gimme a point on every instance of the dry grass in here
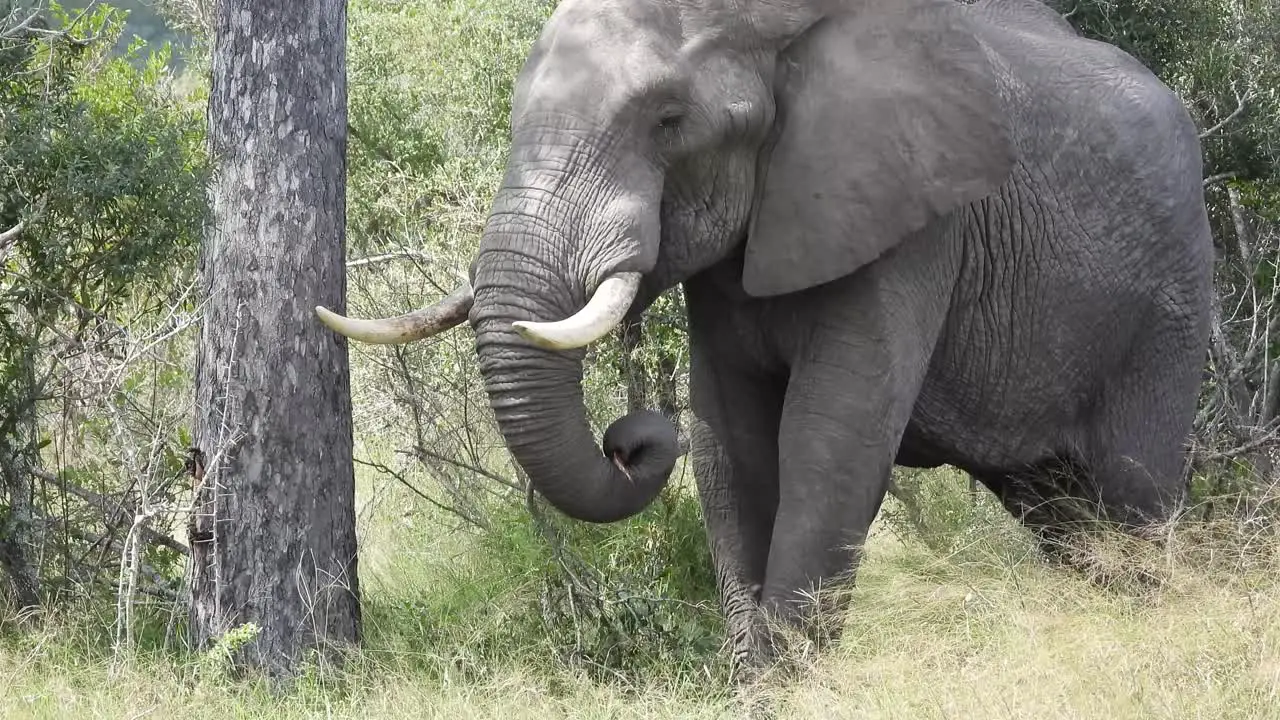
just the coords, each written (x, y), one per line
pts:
(981, 640)
(982, 631)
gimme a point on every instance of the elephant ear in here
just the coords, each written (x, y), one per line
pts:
(888, 117)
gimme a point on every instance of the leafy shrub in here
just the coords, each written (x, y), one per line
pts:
(631, 600)
(430, 86)
(102, 192)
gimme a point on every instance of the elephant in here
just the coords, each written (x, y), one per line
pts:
(909, 232)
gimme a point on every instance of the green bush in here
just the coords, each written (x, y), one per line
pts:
(429, 88)
(634, 599)
(102, 164)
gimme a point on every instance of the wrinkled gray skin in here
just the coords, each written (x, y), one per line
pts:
(909, 231)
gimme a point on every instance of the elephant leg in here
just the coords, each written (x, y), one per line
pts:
(1137, 460)
(1128, 471)
(843, 419)
(1061, 500)
(1046, 498)
(735, 460)
(853, 386)
(1137, 490)
(738, 540)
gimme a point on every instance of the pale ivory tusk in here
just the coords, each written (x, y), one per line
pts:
(603, 313)
(417, 325)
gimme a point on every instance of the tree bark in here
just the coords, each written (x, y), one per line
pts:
(639, 385)
(18, 461)
(630, 367)
(273, 537)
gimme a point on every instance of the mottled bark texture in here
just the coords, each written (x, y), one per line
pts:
(18, 458)
(273, 537)
(640, 386)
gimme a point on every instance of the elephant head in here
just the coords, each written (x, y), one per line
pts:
(652, 140)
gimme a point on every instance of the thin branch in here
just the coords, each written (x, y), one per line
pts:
(1271, 402)
(16, 30)
(8, 236)
(1219, 178)
(423, 452)
(476, 521)
(161, 589)
(63, 33)
(1251, 355)
(1267, 437)
(7, 240)
(376, 259)
(1241, 102)
(104, 504)
(93, 539)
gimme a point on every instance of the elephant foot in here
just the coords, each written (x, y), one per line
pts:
(773, 647)
(765, 661)
(754, 702)
(764, 649)
(755, 671)
(753, 643)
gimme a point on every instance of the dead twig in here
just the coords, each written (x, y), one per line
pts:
(105, 505)
(399, 477)
(1220, 177)
(18, 29)
(387, 257)
(1241, 102)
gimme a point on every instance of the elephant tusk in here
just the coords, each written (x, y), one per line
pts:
(603, 313)
(417, 325)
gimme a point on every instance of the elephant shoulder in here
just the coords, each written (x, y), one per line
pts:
(1030, 16)
(1089, 86)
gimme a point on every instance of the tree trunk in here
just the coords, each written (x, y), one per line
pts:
(631, 366)
(273, 533)
(18, 458)
(639, 385)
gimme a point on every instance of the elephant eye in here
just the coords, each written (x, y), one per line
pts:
(670, 122)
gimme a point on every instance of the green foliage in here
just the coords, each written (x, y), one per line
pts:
(634, 599)
(430, 86)
(102, 179)
(105, 168)
(1214, 53)
(143, 20)
(936, 508)
(217, 660)
(639, 596)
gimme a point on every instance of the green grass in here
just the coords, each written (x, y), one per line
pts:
(981, 629)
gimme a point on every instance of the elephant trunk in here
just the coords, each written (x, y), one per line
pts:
(534, 379)
(536, 397)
